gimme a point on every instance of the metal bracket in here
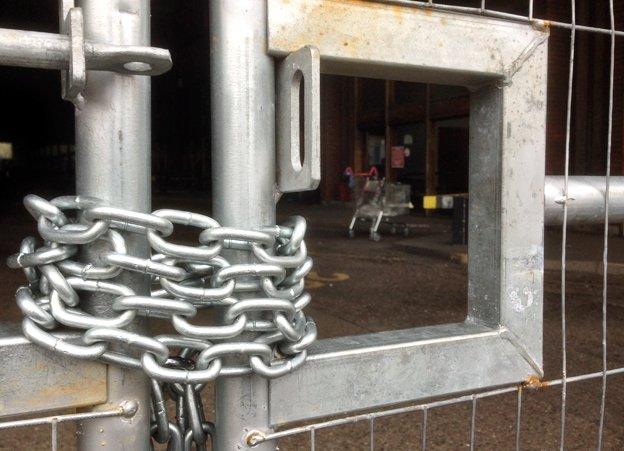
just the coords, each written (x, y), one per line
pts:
(73, 80)
(299, 71)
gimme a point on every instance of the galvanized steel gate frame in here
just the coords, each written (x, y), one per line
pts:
(503, 62)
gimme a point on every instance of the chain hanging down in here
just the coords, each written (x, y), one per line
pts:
(185, 279)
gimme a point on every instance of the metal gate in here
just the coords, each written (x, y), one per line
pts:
(268, 370)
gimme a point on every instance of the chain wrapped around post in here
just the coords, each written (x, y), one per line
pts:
(185, 279)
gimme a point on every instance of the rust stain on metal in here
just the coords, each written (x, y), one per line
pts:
(78, 390)
(534, 383)
(74, 395)
(541, 25)
(333, 12)
(59, 392)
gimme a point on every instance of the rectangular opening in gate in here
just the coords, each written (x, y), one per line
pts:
(387, 227)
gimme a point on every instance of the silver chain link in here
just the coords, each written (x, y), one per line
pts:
(185, 279)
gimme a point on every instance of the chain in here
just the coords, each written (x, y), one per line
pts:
(185, 279)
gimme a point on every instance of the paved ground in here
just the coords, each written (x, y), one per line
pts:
(360, 286)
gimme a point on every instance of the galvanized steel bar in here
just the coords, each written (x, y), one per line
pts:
(408, 365)
(586, 199)
(113, 163)
(243, 173)
(506, 209)
(35, 49)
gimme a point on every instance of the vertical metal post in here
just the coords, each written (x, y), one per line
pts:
(243, 180)
(113, 147)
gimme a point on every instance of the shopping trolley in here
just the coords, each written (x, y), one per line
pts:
(377, 201)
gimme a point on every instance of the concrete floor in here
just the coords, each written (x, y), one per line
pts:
(360, 286)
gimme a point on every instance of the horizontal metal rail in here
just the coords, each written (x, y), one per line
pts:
(461, 55)
(36, 380)
(52, 51)
(372, 370)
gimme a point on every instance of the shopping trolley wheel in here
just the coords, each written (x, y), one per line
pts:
(375, 236)
(351, 234)
(406, 231)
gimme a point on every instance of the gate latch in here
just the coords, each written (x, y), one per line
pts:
(73, 55)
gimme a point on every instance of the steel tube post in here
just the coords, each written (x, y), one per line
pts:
(243, 180)
(113, 163)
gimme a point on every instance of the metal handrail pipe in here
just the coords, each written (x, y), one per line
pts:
(585, 199)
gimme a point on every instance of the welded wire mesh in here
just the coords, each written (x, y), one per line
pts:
(55, 420)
